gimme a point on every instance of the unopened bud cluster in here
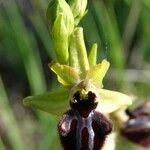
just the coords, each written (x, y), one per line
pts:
(63, 17)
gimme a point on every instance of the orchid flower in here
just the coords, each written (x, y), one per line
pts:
(76, 71)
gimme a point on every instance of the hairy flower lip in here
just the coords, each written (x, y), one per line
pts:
(138, 124)
(137, 128)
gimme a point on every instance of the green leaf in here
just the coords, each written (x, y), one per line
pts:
(96, 73)
(111, 101)
(66, 75)
(93, 55)
(52, 102)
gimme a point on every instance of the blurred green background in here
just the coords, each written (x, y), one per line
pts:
(120, 27)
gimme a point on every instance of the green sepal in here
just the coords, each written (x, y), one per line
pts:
(60, 38)
(66, 75)
(96, 73)
(110, 101)
(52, 102)
(93, 55)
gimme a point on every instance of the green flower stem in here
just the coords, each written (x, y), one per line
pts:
(77, 44)
(93, 55)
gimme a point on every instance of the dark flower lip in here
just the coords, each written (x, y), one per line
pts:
(141, 110)
(139, 124)
(78, 133)
(82, 127)
(137, 128)
(138, 137)
(83, 106)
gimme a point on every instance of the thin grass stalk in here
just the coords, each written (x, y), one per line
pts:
(11, 126)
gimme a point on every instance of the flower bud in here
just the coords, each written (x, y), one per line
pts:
(78, 8)
(60, 38)
(57, 7)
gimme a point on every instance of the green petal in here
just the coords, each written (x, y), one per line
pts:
(97, 73)
(78, 50)
(93, 55)
(66, 75)
(52, 102)
(111, 101)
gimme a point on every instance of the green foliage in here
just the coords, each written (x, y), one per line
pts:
(9, 121)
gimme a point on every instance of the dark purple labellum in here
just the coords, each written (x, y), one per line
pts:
(83, 128)
(137, 128)
(142, 110)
